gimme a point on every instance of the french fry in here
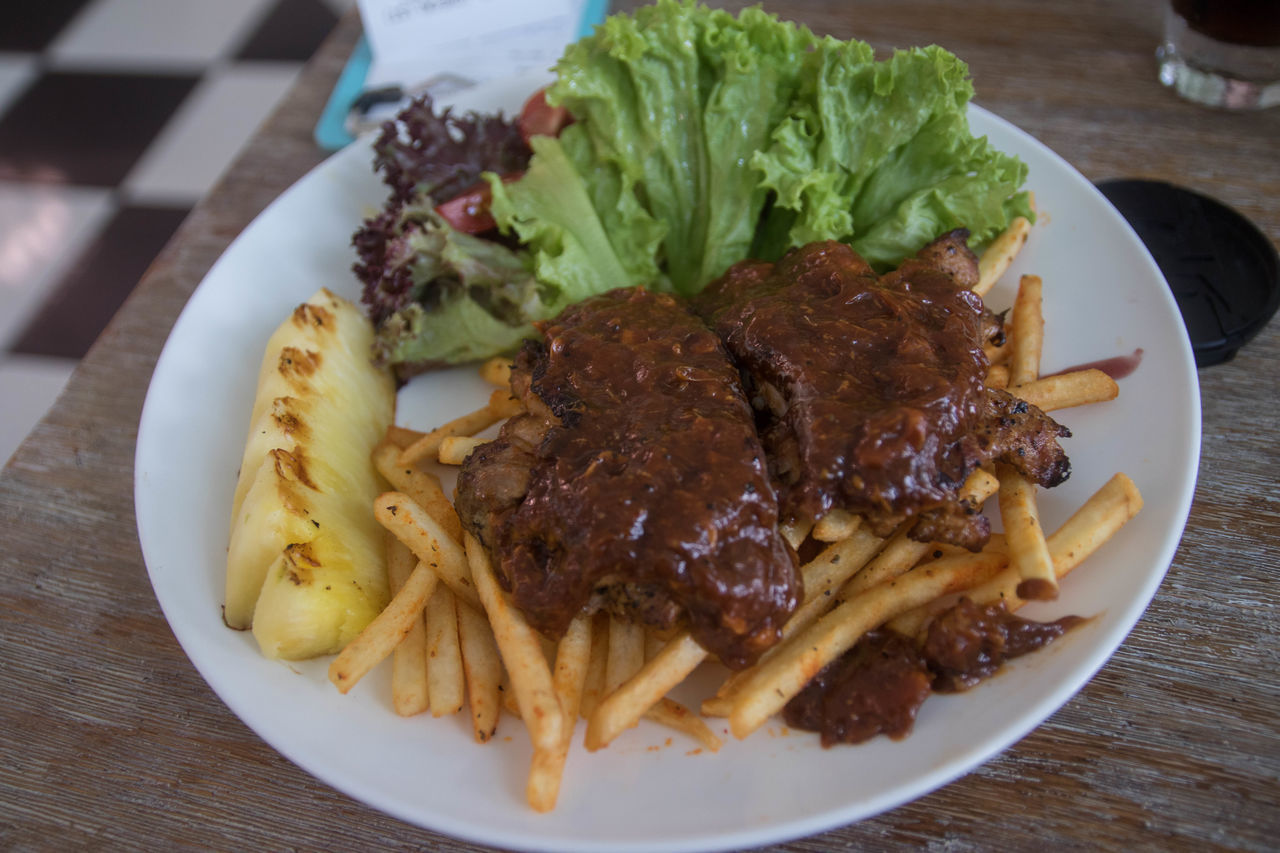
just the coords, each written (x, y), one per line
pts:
(428, 540)
(795, 532)
(409, 695)
(1096, 521)
(402, 437)
(998, 376)
(446, 682)
(1064, 390)
(626, 653)
(625, 705)
(898, 555)
(835, 525)
(901, 552)
(593, 690)
(1026, 338)
(455, 449)
(826, 573)
(404, 478)
(997, 257)
(670, 713)
(721, 704)
(841, 572)
(428, 446)
(1028, 551)
(978, 486)
(510, 703)
(785, 673)
(573, 656)
(913, 621)
(482, 666)
(503, 404)
(522, 655)
(654, 641)
(423, 486)
(380, 637)
(497, 371)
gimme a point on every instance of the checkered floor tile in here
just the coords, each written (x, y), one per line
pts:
(116, 117)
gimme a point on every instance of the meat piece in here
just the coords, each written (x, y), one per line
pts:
(878, 685)
(950, 253)
(636, 482)
(875, 688)
(970, 642)
(497, 474)
(870, 389)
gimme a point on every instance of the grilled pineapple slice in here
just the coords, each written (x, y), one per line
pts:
(305, 567)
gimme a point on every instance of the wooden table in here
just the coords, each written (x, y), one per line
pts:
(109, 738)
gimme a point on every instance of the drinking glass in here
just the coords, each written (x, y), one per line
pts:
(1223, 53)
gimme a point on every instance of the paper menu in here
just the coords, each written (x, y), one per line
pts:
(445, 45)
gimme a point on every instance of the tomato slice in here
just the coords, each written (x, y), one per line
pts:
(538, 118)
(469, 211)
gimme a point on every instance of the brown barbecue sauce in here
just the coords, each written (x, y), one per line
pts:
(878, 686)
(651, 484)
(870, 389)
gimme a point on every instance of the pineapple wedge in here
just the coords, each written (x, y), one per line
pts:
(305, 565)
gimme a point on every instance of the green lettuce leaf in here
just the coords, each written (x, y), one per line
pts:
(672, 103)
(879, 154)
(700, 139)
(585, 236)
(471, 298)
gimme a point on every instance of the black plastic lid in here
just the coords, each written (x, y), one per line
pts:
(1222, 270)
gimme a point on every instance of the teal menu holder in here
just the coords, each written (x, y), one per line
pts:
(331, 130)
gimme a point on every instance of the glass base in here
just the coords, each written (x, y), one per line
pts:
(1217, 73)
(1213, 88)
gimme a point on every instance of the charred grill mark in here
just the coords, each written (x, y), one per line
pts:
(314, 316)
(297, 365)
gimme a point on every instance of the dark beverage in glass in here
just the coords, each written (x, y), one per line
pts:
(1224, 53)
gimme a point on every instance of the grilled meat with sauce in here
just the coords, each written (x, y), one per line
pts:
(636, 482)
(870, 389)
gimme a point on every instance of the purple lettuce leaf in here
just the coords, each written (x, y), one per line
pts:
(439, 155)
(425, 157)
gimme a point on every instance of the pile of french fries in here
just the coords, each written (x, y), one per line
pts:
(455, 638)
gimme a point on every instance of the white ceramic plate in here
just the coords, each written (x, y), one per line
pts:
(647, 792)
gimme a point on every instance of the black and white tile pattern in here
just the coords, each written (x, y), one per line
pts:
(116, 116)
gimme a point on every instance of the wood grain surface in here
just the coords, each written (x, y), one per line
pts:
(109, 739)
